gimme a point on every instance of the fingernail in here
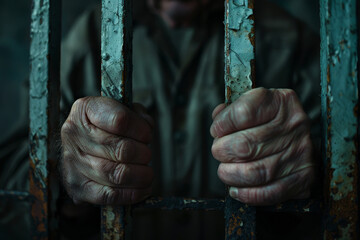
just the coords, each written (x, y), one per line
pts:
(233, 192)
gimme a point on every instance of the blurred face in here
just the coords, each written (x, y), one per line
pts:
(178, 13)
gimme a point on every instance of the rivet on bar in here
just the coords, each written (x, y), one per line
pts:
(44, 112)
(116, 76)
(339, 81)
(239, 78)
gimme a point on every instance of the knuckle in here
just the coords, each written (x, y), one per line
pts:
(120, 118)
(68, 128)
(119, 174)
(244, 147)
(122, 149)
(256, 174)
(107, 195)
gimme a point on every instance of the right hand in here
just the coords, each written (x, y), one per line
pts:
(106, 153)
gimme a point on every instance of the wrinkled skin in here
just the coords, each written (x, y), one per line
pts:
(263, 144)
(262, 141)
(105, 152)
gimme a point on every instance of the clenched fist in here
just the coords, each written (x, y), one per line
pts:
(105, 152)
(263, 143)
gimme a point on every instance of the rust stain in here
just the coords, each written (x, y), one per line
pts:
(234, 225)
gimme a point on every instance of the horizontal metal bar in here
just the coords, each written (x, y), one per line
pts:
(297, 206)
(15, 195)
(177, 203)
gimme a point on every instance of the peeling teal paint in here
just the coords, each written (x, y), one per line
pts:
(116, 45)
(240, 219)
(339, 80)
(239, 49)
(44, 113)
(116, 82)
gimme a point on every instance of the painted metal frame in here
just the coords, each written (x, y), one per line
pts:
(340, 91)
(340, 103)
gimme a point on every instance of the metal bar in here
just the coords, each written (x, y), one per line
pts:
(339, 80)
(176, 203)
(15, 195)
(240, 219)
(44, 111)
(298, 206)
(116, 76)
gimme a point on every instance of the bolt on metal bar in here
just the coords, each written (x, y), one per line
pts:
(44, 111)
(239, 78)
(116, 77)
(340, 90)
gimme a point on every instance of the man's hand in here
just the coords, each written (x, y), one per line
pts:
(106, 153)
(263, 143)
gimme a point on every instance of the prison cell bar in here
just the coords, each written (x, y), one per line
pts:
(116, 77)
(44, 112)
(240, 219)
(339, 80)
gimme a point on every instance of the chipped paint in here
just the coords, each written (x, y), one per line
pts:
(44, 112)
(239, 48)
(113, 222)
(116, 76)
(239, 77)
(240, 220)
(339, 79)
(116, 50)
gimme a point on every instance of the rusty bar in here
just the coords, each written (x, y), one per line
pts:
(15, 195)
(176, 203)
(116, 76)
(339, 81)
(298, 206)
(44, 112)
(240, 219)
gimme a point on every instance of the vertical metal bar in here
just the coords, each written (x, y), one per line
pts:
(116, 76)
(339, 80)
(240, 219)
(44, 112)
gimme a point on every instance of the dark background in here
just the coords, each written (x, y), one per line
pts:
(14, 50)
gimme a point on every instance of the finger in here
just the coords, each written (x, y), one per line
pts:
(115, 174)
(111, 116)
(256, 107)
(259, 142)
(294, 186)
(104, 145)
(264, 171)
(82, 189)
(217, 110)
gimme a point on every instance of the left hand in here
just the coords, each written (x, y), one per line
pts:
(263, 143)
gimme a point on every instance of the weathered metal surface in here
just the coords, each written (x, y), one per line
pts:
(176, 203)
(15, 195)
(240, 220)
(239, 48)
(298, 206)
(44, 111)
(114, 221)
(239, 77)
(339, 80)
(116, 76)
(116, 50)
